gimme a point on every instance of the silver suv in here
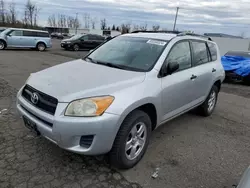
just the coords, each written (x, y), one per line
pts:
(111, 100)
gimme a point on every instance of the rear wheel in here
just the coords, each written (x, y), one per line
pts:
(131, 141)
(2, 45)
(207, 108)
(41, 47)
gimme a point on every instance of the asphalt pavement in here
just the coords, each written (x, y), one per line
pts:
(190, 151)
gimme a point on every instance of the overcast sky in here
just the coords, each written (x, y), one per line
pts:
(226, 16)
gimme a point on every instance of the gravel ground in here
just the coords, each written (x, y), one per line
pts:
(190, 151)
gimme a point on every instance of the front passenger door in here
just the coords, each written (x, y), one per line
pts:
(177, 88)
(14, 38)
(84, 42)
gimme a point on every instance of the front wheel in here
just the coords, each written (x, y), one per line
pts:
(2, 45)
(207, 108)
(76, 47)
(131, 141)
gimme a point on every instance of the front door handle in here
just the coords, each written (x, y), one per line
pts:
(193, 77)
(213, 70)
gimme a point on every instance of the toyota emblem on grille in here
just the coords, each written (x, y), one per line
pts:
(34, 98)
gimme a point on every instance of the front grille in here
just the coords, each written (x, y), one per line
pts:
(45, 102)
(42, 120)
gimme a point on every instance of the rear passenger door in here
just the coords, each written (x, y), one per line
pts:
(202, 69)
(29, 39)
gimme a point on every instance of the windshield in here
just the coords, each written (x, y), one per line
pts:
(5, 31)
(134, 53)
(76, 37)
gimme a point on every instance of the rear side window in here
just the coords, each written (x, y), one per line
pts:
(92, 37)
(200, 53)
(181, 54)
(42, 34)
(213, 51)
(35, 34)
(29, 33)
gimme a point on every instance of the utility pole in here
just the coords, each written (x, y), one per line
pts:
(76, 24)
(177, 10)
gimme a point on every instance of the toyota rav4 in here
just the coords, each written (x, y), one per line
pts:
(110, 101)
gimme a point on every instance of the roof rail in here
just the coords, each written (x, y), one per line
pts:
(163, 31)
(194, 34)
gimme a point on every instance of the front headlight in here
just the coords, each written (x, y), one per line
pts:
(89, 107)
(68, 42)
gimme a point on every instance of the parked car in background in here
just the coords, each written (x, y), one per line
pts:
(111, 100)
(237, 66)
(25, 38)
(85, 41)
(57, 35)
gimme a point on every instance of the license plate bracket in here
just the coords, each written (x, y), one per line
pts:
(31, 125)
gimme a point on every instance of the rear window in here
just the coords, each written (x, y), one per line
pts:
(213, 51)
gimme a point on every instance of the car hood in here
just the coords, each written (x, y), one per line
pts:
(79, 79)
(67, 40)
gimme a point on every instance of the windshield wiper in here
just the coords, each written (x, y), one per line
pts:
(112, 65)
(90, 59)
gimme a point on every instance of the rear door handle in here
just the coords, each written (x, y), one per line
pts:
(193, 77)
(213, 70)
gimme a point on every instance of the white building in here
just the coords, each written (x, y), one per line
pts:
(95, 31)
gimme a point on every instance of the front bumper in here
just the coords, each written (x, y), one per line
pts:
(66, 46)
(67, 132)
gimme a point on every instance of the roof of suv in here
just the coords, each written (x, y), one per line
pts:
(167, 36)
(28, 30)
(162, 36)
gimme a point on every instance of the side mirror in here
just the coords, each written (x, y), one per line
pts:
(172, 67)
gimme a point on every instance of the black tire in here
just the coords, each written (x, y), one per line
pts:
(117, 155)
(203, 109)
(76, 47)
(2, 45)
(41, 47)
(246, 80)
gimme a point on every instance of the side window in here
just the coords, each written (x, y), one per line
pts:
(85, 37)
(200, 53)
(29, 33)
(181, 54)
(213, 51)
(42, 34)
(92, 37)
(16, 33)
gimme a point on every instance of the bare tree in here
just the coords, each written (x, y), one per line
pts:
(144, 27)
(52, 21)
(93, 22)
(125, 28)
(103, 24)
(86, 20)
(31, 13)
(2, 11)
(155, 27)
(136, 27)
(13, 13)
